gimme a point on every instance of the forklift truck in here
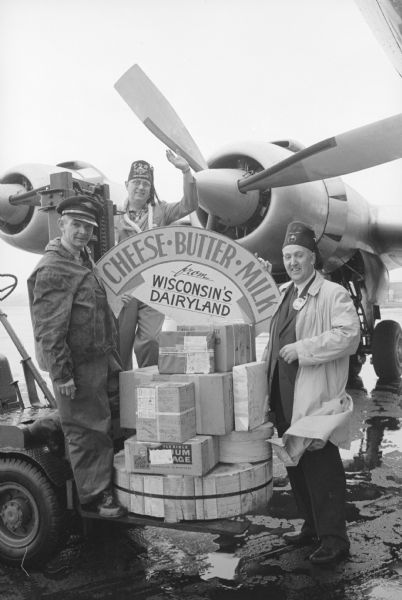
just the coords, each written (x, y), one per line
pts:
(36, 483)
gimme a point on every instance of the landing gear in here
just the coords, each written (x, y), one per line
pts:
(366, 278)
(30, 513)
(387, 351)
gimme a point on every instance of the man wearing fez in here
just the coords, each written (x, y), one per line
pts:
(313, 332)
(140, 324)
(75, 339)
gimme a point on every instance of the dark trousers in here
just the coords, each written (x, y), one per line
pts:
(86, 423)
(319, 486)
(318, 482)
(139, 327)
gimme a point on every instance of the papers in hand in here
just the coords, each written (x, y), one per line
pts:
(290, 448)
(281, 452)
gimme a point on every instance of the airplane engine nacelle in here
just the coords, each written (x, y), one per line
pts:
(339, 215)
(26, 227)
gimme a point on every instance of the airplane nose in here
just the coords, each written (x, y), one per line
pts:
(219, 195)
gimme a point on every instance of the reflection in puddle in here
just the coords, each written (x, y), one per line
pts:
(221, 565)
(385, 590)
(355, 449)
(377, 430)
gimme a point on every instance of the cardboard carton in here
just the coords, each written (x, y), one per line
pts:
(186, 352)
(165, 411)
(128, 380)
(214, 409)
(234, 343)
(213, 398)
(196, 456)
(250, 393)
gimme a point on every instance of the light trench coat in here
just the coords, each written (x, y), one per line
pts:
(327, 333)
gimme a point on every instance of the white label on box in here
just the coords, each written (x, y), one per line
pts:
(198, 362)
(146, 403)
(161, 457)
(195, 342)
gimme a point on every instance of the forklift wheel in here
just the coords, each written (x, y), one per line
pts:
(30, 514)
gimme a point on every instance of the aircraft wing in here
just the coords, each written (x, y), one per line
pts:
(385, 20)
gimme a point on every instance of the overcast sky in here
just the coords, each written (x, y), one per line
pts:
(232, 69)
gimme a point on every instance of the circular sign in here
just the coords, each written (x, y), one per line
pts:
(192, 275)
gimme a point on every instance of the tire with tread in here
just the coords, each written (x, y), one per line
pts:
(387, 350)
(31, 517)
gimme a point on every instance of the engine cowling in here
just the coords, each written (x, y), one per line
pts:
(26, 227)
(339, 215)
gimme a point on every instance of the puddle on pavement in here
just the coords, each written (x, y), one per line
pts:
(397, 567)
(229, 544)
(384, 590)
(348, 455)
(380, 430)
(271, 592)
(222, 565)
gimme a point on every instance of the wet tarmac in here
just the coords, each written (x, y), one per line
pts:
(110, 562)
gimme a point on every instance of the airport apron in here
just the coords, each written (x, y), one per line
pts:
(318, 481)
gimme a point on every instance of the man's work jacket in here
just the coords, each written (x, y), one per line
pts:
(71, 319)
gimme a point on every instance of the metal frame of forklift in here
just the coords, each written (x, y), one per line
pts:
(14, 422)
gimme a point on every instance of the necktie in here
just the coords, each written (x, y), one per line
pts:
(292, 297)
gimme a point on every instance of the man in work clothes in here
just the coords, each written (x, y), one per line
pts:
(75, 341)
(140, 324)
(313, 333)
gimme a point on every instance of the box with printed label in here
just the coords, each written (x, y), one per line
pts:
(128, 380)
(186, 352)
(213, 398)
(250, 393)
(234, 343)
(196, 456)
(165, 411)
(214, 410)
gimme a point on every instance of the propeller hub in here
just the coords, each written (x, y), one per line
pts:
(219, 195)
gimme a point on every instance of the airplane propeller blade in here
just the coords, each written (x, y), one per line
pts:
(358, 149)
(152, 108)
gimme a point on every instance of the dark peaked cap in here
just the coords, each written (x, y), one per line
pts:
(83, 208)
(300, 234)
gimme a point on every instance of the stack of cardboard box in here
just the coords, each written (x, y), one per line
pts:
(186, 412)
